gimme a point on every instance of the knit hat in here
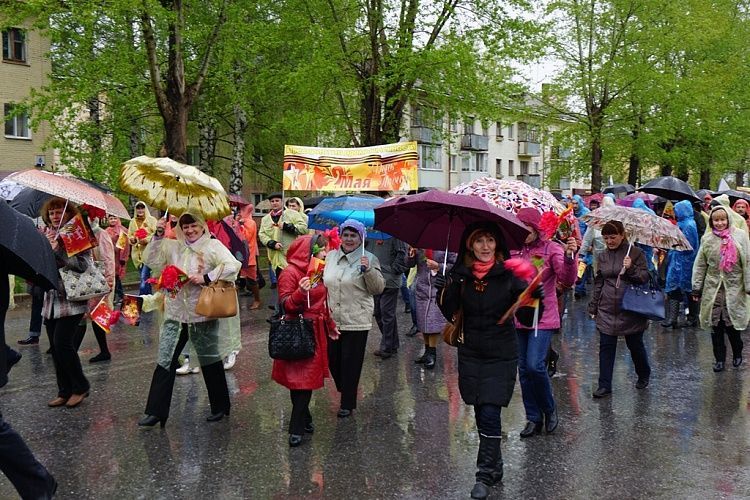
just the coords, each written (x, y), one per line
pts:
(357, 226)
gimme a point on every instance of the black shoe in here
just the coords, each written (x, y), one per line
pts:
(11, 360)
(215, 417)
(294, 440)
(642, 383)
(480, 490)
(552, 363)
(429, 362)
(29, 341)
(422, 358)
(412, 332)
(150, 421)
(100, 357)
(407, 309)
(309, 428)
(602, 393)
(531, 429)
(343, 413)
(550, 422)
(383, 354)
(719, 366)
(736, 362)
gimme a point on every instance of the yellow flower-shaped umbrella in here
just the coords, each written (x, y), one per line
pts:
(168, 185)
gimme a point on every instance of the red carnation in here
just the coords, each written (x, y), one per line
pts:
(141, 234)
(171, 280)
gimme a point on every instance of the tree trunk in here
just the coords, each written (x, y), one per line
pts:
(739, 178)
(666, 169)
(175, 131)
(207, 143)
(634, 168)
(238, 150)
(705, 180)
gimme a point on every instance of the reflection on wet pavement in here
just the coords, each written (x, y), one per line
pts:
(686, 436)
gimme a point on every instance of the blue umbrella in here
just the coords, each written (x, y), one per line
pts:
(333, 211)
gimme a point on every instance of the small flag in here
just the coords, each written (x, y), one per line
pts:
(102, 315)
(77, 236)
(315, 270)
(130, 311)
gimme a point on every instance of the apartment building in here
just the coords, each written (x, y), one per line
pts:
(463, 150)
(24, 66)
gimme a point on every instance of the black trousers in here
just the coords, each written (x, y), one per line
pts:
(37, 302)
(488, 421)
(162, 384)
(62, 333)
(345, 358)
(300, 411)
(607, 351)
(720, 348)
(385, 315)
(28, 476)
(99, 333)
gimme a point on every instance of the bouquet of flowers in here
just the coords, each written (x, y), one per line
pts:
(141, 234)
(171, 280)
(529, 272)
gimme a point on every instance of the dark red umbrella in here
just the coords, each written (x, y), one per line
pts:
(436, 220)
(237, 199)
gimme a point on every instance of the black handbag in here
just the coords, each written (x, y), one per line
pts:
(646, 299)
(291, 338)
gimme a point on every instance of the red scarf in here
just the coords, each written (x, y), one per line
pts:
(429, 254)
(480, 269)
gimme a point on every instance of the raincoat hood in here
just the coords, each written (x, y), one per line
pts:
(741, 202)
(683, 211)
(609, 201)
(532, 218)
(582, 210)
(200, 220)
(299, 202)
(300, 252)
(641, 205)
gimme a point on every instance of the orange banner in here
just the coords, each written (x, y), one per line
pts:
(391, 167)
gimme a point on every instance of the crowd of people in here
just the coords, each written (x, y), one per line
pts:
(362, 278)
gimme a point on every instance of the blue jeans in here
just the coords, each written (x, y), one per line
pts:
(532, 372)
(145, 274)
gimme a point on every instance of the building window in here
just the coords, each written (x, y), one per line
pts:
(14, 45)
(454, 163)
(430, 157)
(454, 126)
(257, 198)
(524, 164)
(481, 162)
(510, 168)
(193, 155)
(466, 163)
(536, 167)
(498, 168)
(16, 124)
(498, 130)
(527, 132)
(416, 116)
(485, 130)
(469, 125)
(510, 131)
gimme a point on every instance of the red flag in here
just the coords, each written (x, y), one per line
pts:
(77, 236)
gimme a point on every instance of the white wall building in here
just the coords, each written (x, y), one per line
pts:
(459, 151)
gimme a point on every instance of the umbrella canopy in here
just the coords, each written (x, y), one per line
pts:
(641, 227)
(333, 211)
(648, 199)
(10, 189)
(510, 195)
(670, 188)
(70, 188)
(436, 220)
(735, 195)
(24, 251)
(237, 199)
(168, 185)
(619, 189)
(29, 202)
(313, 201)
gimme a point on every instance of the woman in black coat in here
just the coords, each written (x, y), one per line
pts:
(484, 289)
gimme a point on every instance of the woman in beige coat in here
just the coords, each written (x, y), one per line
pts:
(352, 276)
(721, 282)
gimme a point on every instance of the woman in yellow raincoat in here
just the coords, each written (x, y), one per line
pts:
(203, 260)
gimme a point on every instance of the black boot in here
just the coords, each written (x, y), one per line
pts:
(487, 462)
(431, 353)
(672, 313)
(693, 312)
(420, 360)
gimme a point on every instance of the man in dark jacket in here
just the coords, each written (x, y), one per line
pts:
(392, 256)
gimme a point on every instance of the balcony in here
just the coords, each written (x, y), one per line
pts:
(533, 180)
(464, 177)
(526, 148)
(426, 135)
(474, 142)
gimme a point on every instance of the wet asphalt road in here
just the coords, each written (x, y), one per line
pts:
(686, 436)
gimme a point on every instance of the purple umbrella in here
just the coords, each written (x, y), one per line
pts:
(648, 199)
(436, 220)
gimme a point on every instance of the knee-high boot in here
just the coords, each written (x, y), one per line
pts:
(672, 313)
(488, 461)
(694, 308)
(255, 289)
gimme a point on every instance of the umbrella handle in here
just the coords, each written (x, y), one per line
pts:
(59, 224)
(362, 269)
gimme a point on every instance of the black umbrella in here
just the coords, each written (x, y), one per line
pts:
(30, 201)
(619, 188)
(670, 188)
(313, 201)
(24, 251)
(734, 195)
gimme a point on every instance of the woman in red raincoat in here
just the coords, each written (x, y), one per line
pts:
(301, 290)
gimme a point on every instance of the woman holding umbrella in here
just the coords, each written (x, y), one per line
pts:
(721, 282)
(63, 315)
(352, 276)
(619, 265)
(480, 286)
(203, 260)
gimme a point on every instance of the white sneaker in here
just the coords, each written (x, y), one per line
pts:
(185, 368)
(197, 369)
(230, 360)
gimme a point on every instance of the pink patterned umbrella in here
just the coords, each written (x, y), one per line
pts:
(510, 195)
(641, 227)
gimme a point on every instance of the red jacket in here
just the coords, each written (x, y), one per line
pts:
(304, 374)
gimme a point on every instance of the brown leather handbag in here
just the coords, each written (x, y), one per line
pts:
(453, 331)
(217, 300)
